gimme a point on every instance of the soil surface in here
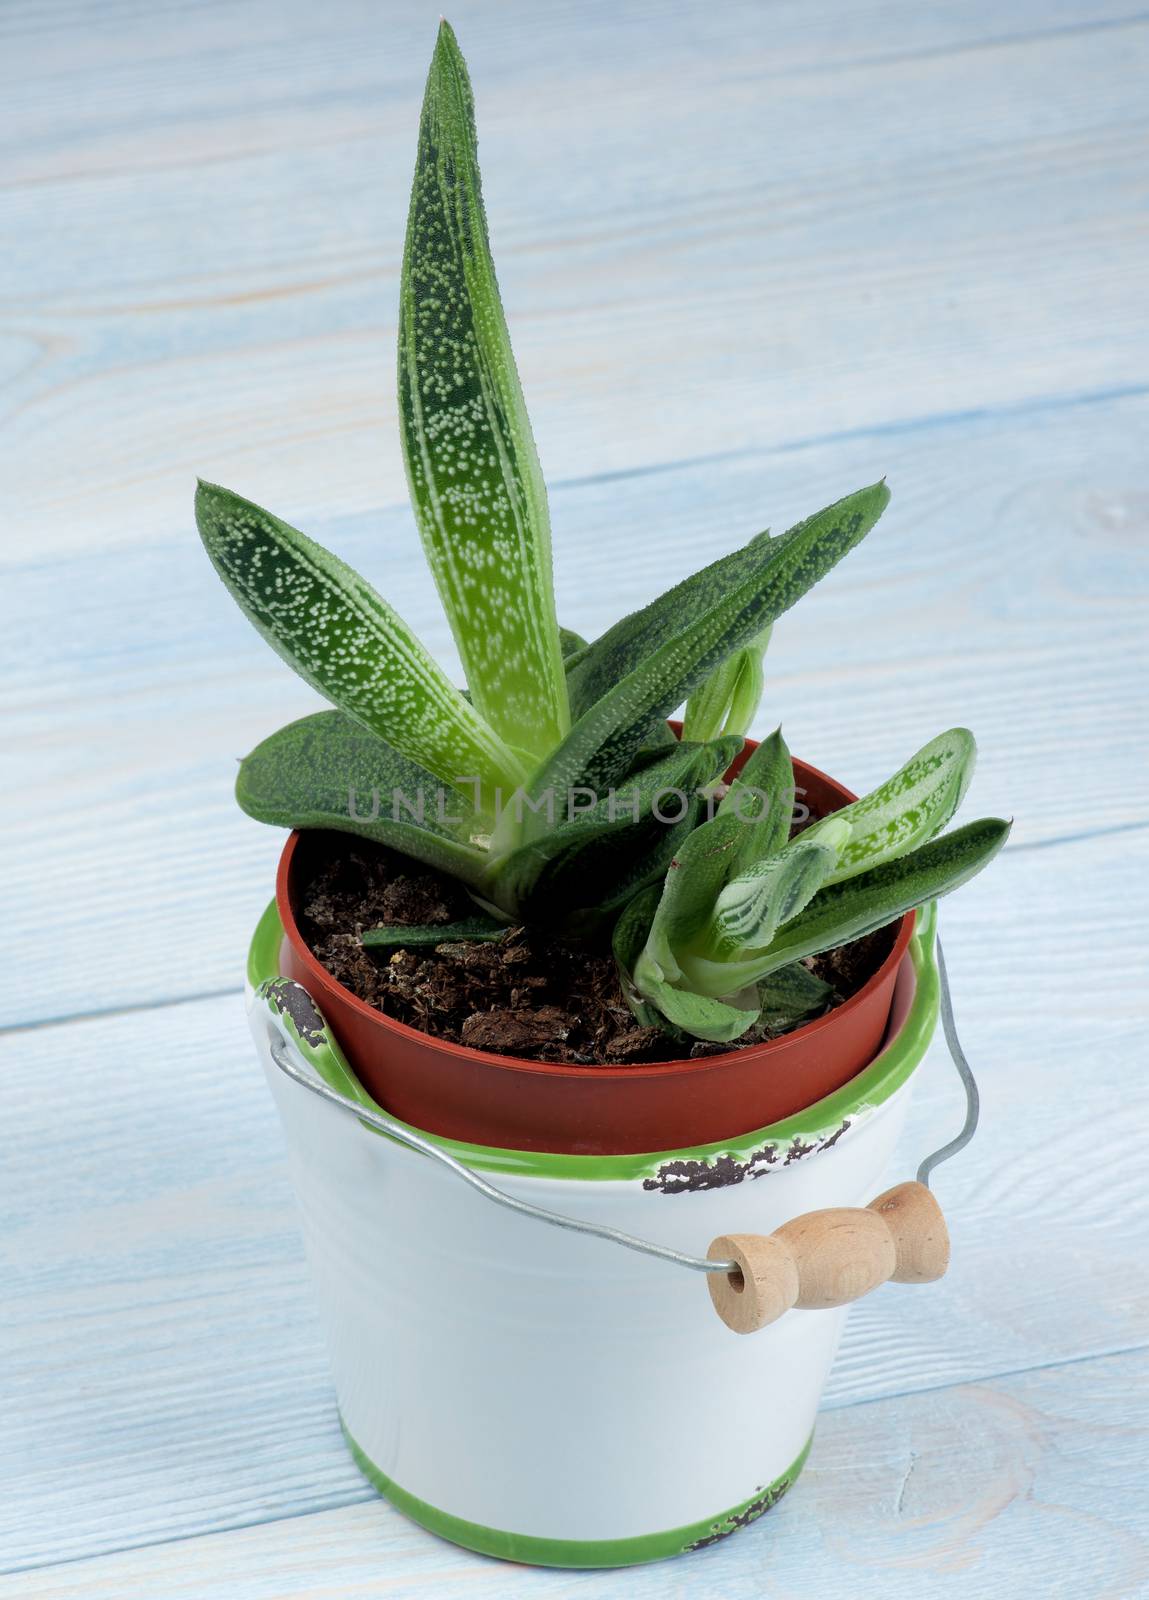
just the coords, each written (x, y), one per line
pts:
(526, 994)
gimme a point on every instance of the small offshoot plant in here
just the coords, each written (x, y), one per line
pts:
(720, 944)
(543, 786)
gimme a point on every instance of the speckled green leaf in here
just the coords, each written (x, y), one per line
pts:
(762, 798)
(602, 743)
(857, 906)
(473, 471)
(345, 640)
(602, 664)
(325, 771)
(792, 995)
(909, 808)
(575, 824)
(416, 935)
(571, 644)
(757, 902)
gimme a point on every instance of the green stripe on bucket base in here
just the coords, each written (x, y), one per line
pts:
(536, 1552)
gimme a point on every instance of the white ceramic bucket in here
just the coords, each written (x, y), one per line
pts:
(546, 1396)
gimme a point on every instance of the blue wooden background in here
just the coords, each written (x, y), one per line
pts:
(754, 255)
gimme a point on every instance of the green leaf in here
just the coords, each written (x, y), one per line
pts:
(621, 648)
(571, 644)
(857, 906)
(728, 700)
(909, 808)
(638, 863)
(325, 771)
(793, 995)
(630, 935)
(762, 798)
(700, 1015)
(572, 825)
(603, 742)
(658, 735)
(706, 709)
(345, 640)
(656, 1003)
(633, 926)
(693, 881)
(755, 904)
(589, 884)
(473, 471)
(393, 935)
(749, 685)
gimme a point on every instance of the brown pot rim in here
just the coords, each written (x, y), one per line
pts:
(608, 1072)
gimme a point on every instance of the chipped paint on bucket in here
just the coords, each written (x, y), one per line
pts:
(542, 1395)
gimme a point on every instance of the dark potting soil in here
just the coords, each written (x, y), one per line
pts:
(526, 994)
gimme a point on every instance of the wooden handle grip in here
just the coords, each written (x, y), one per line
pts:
(828, 1258)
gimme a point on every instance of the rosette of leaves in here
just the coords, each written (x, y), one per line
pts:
(539, 785)
(719, 946)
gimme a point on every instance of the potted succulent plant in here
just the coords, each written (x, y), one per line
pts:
(473, 874)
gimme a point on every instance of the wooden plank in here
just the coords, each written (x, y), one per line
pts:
(720, 232)
(162, 1368)
(1029, 1484)
(1004, 590)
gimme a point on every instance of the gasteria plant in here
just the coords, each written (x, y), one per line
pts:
(720, 944)
(543, 786)
(537, 787)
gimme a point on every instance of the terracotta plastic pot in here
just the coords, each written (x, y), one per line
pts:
(485, 1099)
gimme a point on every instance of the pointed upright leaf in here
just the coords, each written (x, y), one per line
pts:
(473, 471)
(602, 743)
(601, 664)
(694, 878)
(728, 700)
(749, 684)
(762, 798)
(705, 713)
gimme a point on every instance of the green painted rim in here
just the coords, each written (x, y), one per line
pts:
(812, 1128)
(533, 1551)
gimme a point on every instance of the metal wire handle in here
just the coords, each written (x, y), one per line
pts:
(413, 1141)
(280, 1054)
(964, 1072)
